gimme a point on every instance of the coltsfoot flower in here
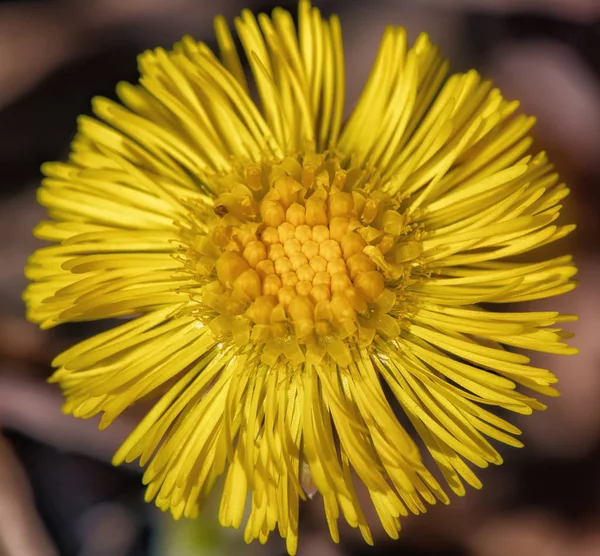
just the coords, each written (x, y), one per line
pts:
(293, 281)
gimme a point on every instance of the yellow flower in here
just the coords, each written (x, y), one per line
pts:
(294, 281)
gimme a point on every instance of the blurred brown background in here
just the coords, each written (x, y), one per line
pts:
(58, 493)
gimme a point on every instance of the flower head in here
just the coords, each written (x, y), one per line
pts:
(293, 281)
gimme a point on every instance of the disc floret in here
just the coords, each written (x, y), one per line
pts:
(300, 259)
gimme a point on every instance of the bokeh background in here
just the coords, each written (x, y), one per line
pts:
(60, 496)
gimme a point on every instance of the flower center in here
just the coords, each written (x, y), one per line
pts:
(297, 259)
(306, 253)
